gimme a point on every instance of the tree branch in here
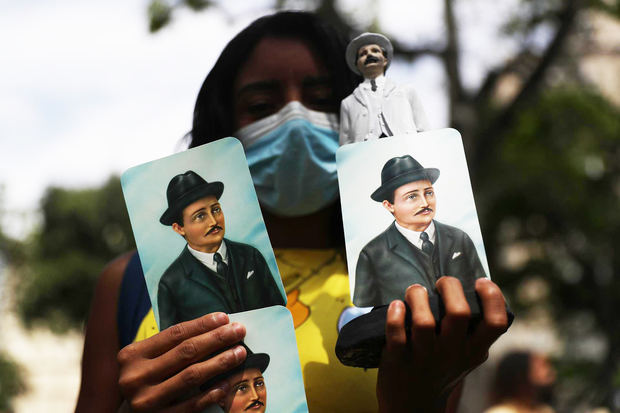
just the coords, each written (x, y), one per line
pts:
(491, 134)
(451, 59)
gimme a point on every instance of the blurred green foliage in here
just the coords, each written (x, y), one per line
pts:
(159, 12)
(11, 382)
(552, 190)
(81, 231)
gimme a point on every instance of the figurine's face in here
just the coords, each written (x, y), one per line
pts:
(203, 224)
(247, 393)
(370, 61)
(414, 205)
(279, 71)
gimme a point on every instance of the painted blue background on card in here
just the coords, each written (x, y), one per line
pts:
(359, 175)
(144, 188)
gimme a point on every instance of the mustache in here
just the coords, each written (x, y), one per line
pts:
(423, 210)
(213, 228)
(370, 59)
(255, 403)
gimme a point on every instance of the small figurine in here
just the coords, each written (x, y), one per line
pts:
(377, 107)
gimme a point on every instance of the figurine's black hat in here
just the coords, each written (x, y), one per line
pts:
(362, 40)
(253, 360)
(184, 189)
(400, 171)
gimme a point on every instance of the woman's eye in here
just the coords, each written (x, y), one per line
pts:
(320, 98)
(261, 109)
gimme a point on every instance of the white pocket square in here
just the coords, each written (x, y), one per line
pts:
(456, 254)
(250, 273)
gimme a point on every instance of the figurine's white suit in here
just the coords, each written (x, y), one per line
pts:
(399, 112)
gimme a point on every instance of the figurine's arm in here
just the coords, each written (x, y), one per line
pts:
(417, 109)
(345, 124)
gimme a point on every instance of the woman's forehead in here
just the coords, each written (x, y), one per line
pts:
(282, 60)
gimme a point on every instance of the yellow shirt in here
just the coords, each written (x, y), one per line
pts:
(317, 289)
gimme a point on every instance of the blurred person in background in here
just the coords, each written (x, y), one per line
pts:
(523, 383)
(277, 87)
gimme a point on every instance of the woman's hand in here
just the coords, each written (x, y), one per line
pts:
(164, 372)
(419, 373)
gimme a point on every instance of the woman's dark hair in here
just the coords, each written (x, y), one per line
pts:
(511, 377)
(214, 114)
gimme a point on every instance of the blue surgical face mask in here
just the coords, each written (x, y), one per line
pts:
(292, 159)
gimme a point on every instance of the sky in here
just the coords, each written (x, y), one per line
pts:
(86, 91)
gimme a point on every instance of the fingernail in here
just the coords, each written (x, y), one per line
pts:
(220, 318)
(223, 386)
(218, 393)
(239, 352)
(239, 329)
(396, 306)
(418, 285)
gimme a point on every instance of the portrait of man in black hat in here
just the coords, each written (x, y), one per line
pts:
(415, 248)
(246, 384)
(211, 273)
(377, 107)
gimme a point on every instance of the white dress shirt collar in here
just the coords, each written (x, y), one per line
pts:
(379, 80)
(206, 258)
(414, 236)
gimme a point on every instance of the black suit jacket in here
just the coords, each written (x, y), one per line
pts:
(389, 263)
(188, 289)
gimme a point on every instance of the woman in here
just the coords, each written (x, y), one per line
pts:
(277, 87)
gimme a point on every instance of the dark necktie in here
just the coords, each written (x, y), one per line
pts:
(427, 245)
(227, 283)
(222, 268)
(373, 85)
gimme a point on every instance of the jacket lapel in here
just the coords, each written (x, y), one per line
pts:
(357, 93)
(236, 267)
(388, 88)
(198, 273)
(401, 247)
(444, 245)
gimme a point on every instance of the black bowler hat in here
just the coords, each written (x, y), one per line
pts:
(184, 189)
(253, 360)
(400, 171)
(362, 40)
